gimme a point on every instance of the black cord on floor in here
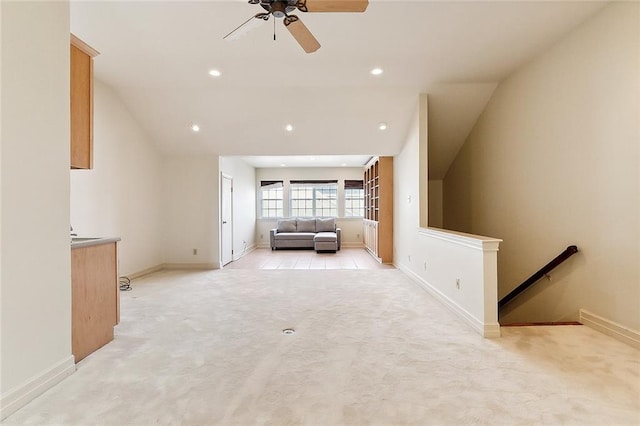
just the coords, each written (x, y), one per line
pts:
(125, 284)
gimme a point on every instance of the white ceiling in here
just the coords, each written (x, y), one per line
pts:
(157, 54)
(262, 161)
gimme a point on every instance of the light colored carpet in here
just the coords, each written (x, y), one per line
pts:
(371, 347)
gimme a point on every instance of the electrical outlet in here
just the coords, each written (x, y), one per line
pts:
(195, 252)
(357, 235)
(458, 283)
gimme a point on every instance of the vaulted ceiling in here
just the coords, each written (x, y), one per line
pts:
(157, 56)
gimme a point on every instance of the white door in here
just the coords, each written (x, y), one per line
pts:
(226, 230)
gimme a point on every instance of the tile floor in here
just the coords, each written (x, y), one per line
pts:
(346, 258)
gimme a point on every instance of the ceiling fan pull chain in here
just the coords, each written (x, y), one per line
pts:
(274, 30)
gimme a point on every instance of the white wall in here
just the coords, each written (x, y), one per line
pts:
(34, 200)
(352, 229)
(122, 195)
(406, 197)
(436, 258)
(192, 211)
(435, 203)
(553, 161)
(244, 203)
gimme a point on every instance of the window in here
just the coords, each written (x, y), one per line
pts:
(353, 198)
(311, 198)
(271, 198)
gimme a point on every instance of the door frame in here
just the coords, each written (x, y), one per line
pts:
(224, 176)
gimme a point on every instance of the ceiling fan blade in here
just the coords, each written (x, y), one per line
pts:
(332, 5)
(248, 25)
(301, 33)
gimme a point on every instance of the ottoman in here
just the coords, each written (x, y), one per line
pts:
(325, 241)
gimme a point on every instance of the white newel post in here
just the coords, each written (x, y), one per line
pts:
(490, 281)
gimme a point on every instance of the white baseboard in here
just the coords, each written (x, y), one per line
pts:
(487, 330)
(352, 244)
(145, 272)
(191, 266)
(18, 397)
(343, 244)
(619, 332)
(492, 331)
(245, 252)
(175, 266)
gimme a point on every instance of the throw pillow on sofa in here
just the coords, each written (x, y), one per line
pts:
(286, 225)
(306, 225)
(326, 224)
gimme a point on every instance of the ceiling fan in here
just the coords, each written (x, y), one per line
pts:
(283, 8)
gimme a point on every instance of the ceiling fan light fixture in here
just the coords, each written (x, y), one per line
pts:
(279, 8)
(215, 73)
(283, 8)
(377, 71)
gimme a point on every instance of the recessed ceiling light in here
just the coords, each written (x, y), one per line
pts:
(377, 71)
(215, 73)
(195, 128)
(288, 128)
(283, 165)
(344, 164)
(382, 126)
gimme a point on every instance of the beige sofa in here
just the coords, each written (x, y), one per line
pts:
(320, 234)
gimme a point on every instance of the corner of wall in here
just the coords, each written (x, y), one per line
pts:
(16, 398)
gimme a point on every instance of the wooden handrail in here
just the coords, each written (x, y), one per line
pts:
(570, 251)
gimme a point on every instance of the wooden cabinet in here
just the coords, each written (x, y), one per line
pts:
(378, 221)
(81, 104)
(371, 236)
(94, 297)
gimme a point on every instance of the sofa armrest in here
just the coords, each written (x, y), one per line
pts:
(339, 236)
(272, 238)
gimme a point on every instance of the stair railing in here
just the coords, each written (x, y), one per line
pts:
(570, 251)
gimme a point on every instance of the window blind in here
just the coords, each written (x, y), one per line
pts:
(353, 184)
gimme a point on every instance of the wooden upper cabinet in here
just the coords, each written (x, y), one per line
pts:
(81, 104)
